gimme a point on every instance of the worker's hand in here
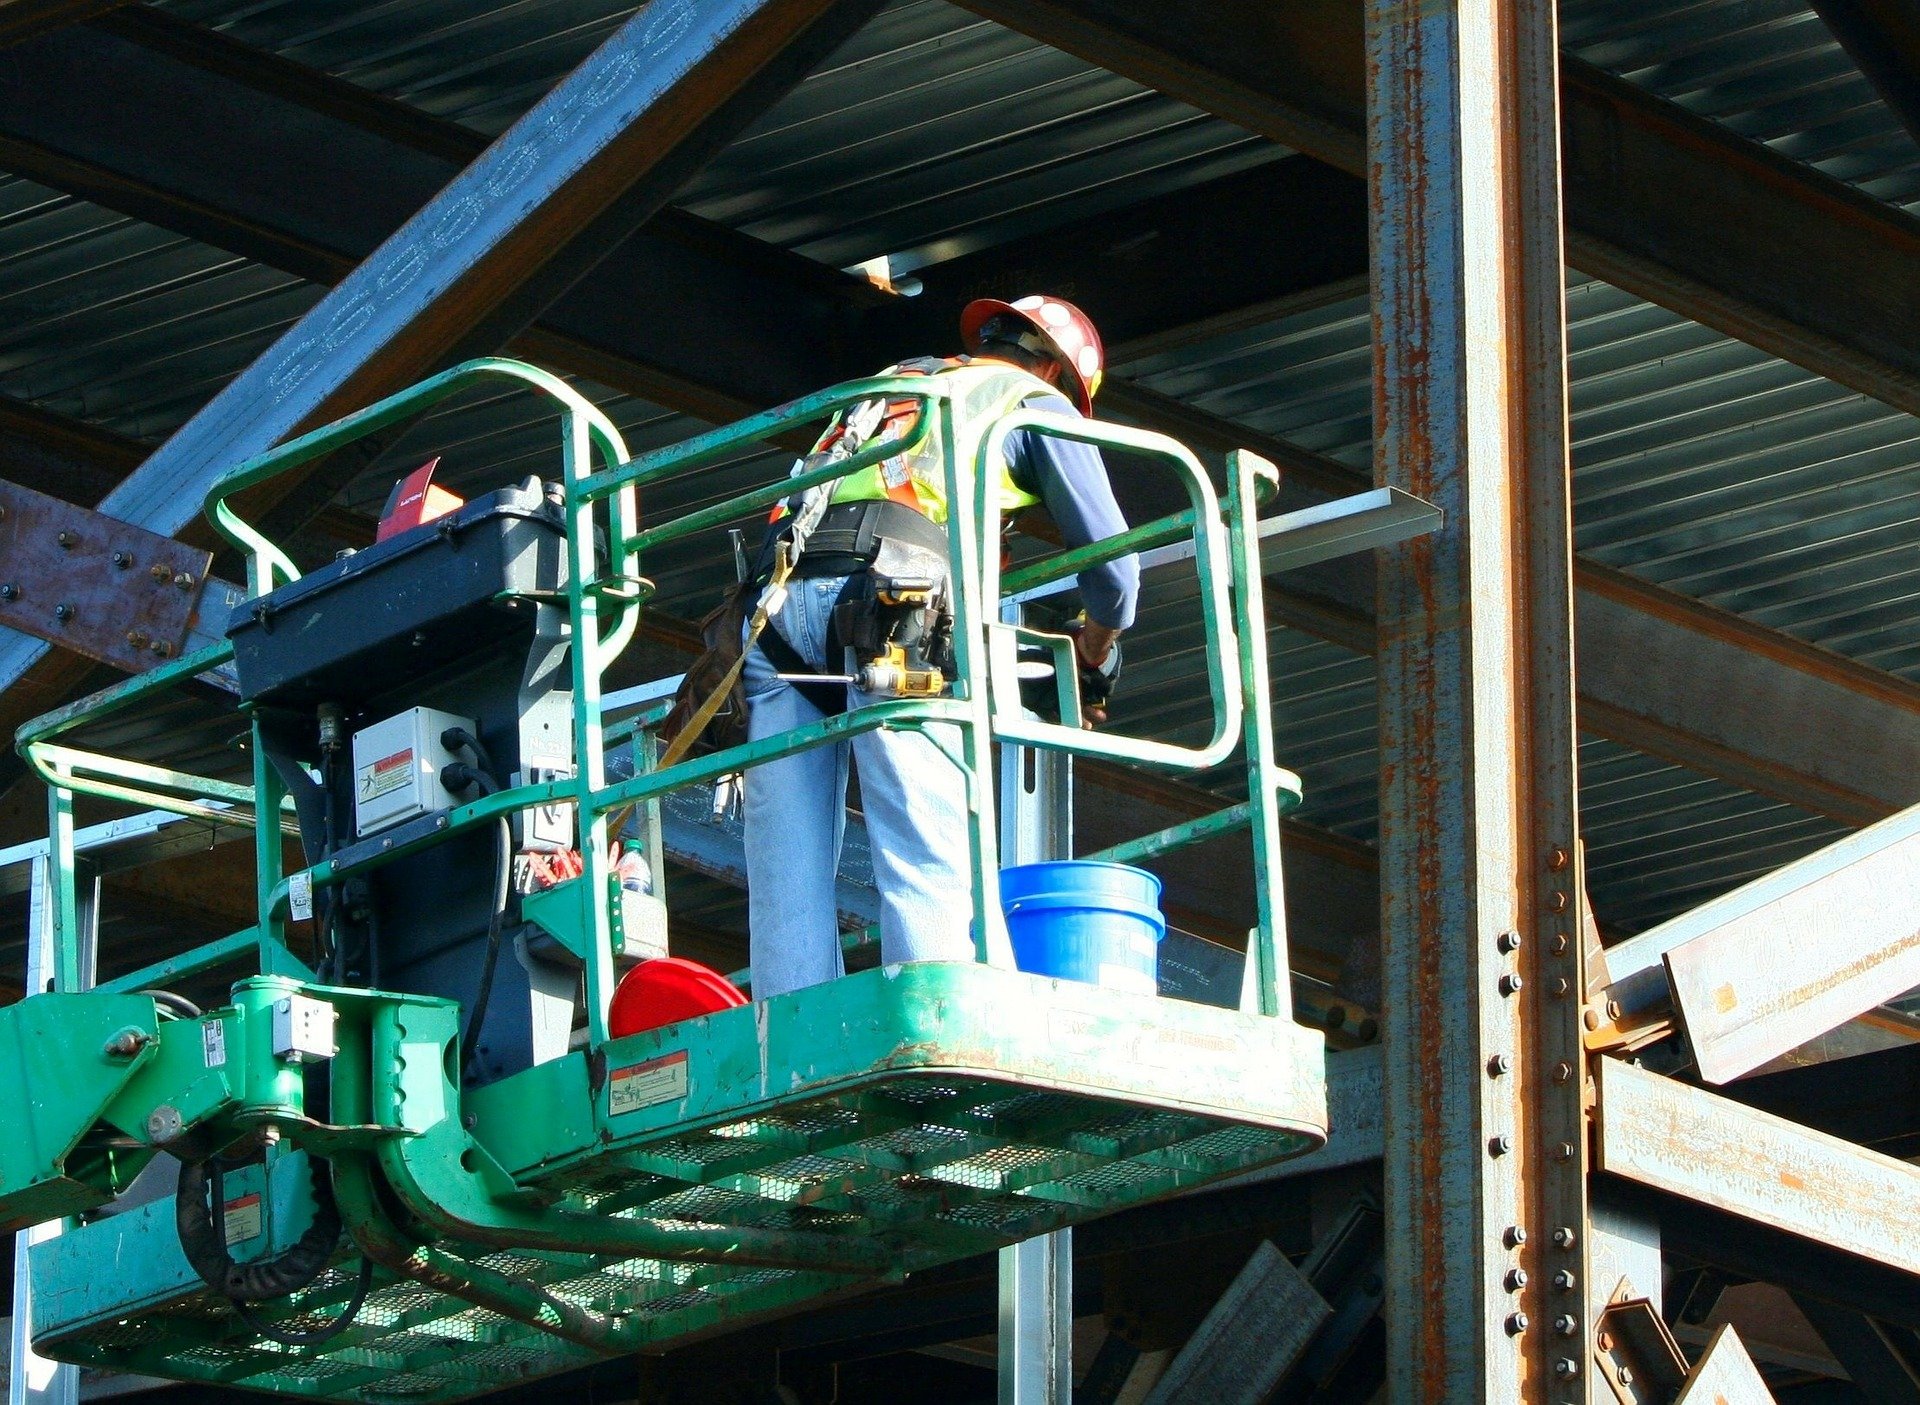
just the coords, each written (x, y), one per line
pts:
(1092, 642)
(1097, 648)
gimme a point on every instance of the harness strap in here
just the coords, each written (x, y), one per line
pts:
(771, 600)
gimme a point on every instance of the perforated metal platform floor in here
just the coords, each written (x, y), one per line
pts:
(935, 1111)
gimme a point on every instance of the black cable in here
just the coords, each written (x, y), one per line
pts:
(502, 882)
(179, 1004)
(456, 737)
(457, 776)
(201, 1225)
(325, 938)
(373, 942)
(318, 1335)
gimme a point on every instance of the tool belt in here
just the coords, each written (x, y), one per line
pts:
(896, 608)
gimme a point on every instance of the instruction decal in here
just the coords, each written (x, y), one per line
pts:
(300, 896)
(213, 1042)
(661, 1080)
(243, 1220)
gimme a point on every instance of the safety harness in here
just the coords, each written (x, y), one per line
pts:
(896, 595)
(881, 529)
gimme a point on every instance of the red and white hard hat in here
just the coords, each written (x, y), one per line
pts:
(1068, 332)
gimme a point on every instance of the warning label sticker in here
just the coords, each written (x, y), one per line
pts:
(661, 1080)
(213, 1042)
(243, 1219)
(300, 897)
(388, 773)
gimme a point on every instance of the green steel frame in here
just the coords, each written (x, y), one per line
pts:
(650, 1188)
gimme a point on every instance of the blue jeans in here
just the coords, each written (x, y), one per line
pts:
(914, 800)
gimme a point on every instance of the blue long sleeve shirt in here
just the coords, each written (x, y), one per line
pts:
(1071, 479)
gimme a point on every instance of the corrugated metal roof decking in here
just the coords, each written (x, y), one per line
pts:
(1767, 69)
(930, 133)
(117, 323)
(1700, 463)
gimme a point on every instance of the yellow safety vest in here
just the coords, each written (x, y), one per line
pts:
(917, 475)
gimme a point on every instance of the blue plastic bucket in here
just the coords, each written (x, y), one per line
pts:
(1081, 921)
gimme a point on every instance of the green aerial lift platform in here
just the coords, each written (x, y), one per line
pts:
(405, 1207)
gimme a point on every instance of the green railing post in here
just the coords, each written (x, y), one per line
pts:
(1245, 473)
(968, 539)
(62, 906)
(269, 849)
(589, 655)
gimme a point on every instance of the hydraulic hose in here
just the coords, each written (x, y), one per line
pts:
(181, 1007)
(202, 1229)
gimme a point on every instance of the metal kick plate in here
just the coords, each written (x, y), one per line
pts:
(94, 584)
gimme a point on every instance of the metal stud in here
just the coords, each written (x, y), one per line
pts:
(1511, 984)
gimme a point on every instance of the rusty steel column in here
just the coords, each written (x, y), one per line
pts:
(1479, 864)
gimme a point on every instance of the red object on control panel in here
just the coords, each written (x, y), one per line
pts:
(416, 499)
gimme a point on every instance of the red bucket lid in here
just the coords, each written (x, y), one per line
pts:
(666, 990)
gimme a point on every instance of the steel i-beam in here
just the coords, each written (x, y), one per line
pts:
(1479, 864)
(1779, 961)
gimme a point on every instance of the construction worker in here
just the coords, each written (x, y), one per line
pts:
(1040, 352)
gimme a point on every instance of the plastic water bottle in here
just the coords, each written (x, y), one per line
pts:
(632, 870)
